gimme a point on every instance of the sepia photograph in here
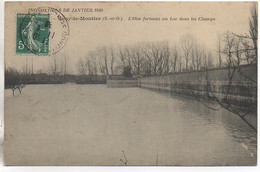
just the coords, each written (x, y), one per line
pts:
(130, 83)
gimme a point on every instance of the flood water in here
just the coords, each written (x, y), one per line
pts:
(91, 125)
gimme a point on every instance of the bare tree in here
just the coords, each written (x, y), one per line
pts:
(100, 61)
(208, 60)
(112, 59)
(25, 67)
(122, 56)
(229, 41)
(219, 51)
(249, 41)
(237, 48)
(165, 54)
(32, 65)
(148, 59)
(157, 54)
(174, 59)
(65, 68)
(247, 52)
(137, 59)
(93, 59)
(233, 51)
(253, 24)
(81, 67)
(54, 66)
(126, 56)
(198, 54)
(103, 60)
(187, 42)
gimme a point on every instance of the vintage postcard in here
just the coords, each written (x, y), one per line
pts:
(130, 83)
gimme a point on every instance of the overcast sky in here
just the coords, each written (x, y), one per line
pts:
(87, 35)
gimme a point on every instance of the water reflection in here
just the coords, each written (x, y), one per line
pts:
(241, 139)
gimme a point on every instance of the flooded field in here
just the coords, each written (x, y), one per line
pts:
(92, 124)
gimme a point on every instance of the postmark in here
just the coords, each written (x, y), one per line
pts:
(42, 31)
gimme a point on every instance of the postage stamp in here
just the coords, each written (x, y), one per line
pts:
(32, 34)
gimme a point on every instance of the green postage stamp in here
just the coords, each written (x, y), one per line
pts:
(32, 34)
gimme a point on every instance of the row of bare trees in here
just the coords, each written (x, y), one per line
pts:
(147, 58)
(188, 54)
(58, 65)
(157, 58)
